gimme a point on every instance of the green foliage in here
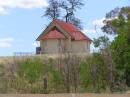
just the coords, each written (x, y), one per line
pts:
(29, 77)
(30, 74)
(3, 80)
(121, 56)
(21, 85)
(32, 70)
(102, 42)
(85, 73)
(56, 82)
(120, 47)
(93, 74)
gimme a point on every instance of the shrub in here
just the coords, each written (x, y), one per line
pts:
(3, 80)
(29, 76)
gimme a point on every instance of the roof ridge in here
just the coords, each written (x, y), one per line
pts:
(59, 20)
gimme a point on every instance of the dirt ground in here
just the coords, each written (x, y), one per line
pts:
(65, 95)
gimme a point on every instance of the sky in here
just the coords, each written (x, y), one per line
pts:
(21, 22)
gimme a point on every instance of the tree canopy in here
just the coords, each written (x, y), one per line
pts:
(119, 24)
(64, 9)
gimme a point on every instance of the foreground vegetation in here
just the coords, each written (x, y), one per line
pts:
(68, 73)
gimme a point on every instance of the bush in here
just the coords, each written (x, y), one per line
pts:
(69, 74)
(93, 74)
(29, 77)
(32, 70)
(3, 80)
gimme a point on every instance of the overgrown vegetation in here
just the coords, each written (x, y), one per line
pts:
(119, 24)
(66, 74)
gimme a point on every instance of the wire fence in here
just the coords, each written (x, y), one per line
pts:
(24, 53)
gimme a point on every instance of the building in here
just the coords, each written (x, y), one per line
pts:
(60, 36)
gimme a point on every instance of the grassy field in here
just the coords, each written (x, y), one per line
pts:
(8, 61)
(65, 95)
(11, 59)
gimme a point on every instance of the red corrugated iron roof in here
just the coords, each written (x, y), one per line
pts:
(75, 33)
(54, 34)
(72, 30)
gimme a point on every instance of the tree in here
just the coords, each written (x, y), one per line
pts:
(102, 42)
(119, 24)
(53, 10)
(93, 73)
(70, 7)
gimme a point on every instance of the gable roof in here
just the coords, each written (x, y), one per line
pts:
(54, 34)
(72, 30)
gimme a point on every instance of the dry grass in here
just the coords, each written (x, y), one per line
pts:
(6, 61)
(11, 59)
(65, 95)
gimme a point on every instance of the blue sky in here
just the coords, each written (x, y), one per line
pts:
(21, 22)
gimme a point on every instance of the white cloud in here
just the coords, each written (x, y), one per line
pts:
(36, 44)
(3, 11)
(92, 33)
(5, 5)
(101, 22)
(88, 31)
(91, 30)
(6, 42)
(98, 22)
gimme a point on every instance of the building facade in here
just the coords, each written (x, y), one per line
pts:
(60, 37)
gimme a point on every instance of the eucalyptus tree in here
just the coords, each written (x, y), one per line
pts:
(53, 10)
(118, 22)
(70, 7)
(64, 9)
